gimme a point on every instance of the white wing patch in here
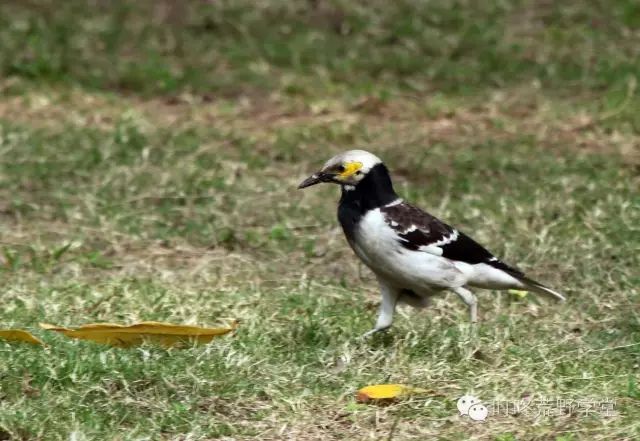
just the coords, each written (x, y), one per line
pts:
(445, 240)
(431, 249)
(411, 229)
(392, 203)
(435, 248)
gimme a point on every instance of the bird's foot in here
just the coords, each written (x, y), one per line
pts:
(374, 331)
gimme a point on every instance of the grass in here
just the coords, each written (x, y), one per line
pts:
(149, 156)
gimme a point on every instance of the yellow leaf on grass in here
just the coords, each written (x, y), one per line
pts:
(387, 392)
(518, 293)
(165, 334)
(19, 335)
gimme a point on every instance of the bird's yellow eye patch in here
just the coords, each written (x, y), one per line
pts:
(350, 168)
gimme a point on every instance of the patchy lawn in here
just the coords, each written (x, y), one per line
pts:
(149, 157)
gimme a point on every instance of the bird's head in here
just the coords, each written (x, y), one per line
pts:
(347, 169)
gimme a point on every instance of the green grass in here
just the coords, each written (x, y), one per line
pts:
(149, 157)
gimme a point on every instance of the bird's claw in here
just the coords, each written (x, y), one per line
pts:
(373, 331)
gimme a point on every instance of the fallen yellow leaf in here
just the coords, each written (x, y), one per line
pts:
(387, 392)
(165, 334)
(19, 335)
(518, 293)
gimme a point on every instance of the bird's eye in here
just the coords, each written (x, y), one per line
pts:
(341, 169)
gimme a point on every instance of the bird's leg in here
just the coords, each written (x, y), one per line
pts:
(470, 300)
(387, 308)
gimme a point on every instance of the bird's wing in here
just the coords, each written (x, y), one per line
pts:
(417, 230)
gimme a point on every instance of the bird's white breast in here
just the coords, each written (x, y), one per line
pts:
(378, 246)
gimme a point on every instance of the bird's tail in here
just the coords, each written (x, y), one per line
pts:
(539, 288)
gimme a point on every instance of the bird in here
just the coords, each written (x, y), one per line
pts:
(413, 254)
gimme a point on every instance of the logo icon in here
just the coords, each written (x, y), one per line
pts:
(465, 402)
(478, 412)
(472, 407)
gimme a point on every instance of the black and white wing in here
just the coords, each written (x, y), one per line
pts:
(417, 230)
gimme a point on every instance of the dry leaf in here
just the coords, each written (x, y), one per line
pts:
(19, 335)
(165, 334)
(387, 392)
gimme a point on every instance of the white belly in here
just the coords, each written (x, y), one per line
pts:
(377, 245)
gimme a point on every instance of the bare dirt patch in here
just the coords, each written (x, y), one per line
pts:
(394, 123)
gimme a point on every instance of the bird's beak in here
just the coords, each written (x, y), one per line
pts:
(314, 179)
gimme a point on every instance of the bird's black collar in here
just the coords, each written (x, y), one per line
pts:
(375, 190)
